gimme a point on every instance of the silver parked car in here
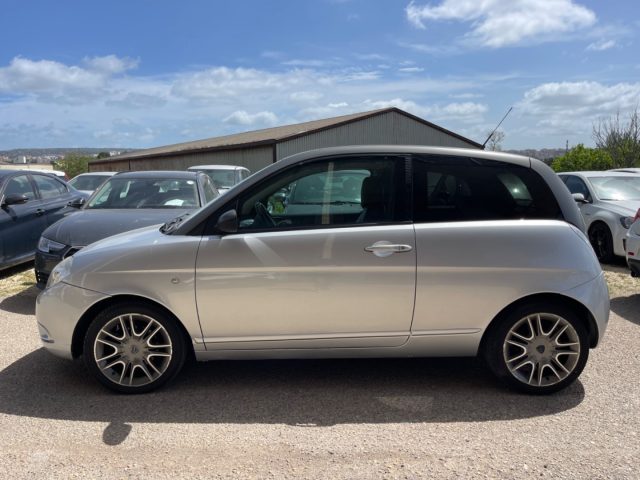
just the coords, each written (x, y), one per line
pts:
(609, 202)
(223, 176)
(452, 252)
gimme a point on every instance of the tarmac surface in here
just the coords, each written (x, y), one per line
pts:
(422, 418)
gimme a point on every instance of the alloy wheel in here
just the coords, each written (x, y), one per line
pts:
(541, 349)
(132, 350)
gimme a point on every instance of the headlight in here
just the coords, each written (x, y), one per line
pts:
(49, 246)
(626, 221)
(60, 272)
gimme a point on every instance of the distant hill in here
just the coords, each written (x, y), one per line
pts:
(547, 155)
(44, 153)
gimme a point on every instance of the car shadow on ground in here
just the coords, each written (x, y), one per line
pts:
(305, 393)
(23, 303)
(627, 307)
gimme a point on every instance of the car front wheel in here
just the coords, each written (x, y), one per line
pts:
(538, 348)
(134, 348)
(602, 242)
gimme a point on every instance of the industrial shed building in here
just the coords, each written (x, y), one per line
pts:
(259, 148)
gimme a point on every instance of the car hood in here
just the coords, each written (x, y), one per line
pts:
(87, 226)
(626, 208)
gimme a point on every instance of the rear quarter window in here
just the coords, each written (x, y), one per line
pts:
(457, 189)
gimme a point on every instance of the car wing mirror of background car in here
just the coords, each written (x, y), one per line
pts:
(227, 222)
(76, 202)
(14, 199)
(579, 198)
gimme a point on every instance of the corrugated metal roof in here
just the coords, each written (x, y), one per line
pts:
(266, 136)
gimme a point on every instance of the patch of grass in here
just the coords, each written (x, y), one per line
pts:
(17, 280)
(620, 281)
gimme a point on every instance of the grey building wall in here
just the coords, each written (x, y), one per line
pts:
(388, 128)
(253, 158)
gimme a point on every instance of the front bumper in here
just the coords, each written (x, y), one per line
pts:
(58, 310)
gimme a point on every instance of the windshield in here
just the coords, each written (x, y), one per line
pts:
(145, 193)
(617, 188)
(87, 182)
(221, 178)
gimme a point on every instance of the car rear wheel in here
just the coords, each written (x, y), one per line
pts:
(134, 348)
(602, 242)
(538, 348)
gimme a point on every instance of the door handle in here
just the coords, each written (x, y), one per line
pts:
(40, 212)
(384, 249)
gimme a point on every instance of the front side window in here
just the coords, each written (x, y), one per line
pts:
(456, 189)
(20, 185)
(576, 185)
(362, 190)
(146, 193)
(49, 187)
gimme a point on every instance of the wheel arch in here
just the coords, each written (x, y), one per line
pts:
(555, 298)
(82, 326)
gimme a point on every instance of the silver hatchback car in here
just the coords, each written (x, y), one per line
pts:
(405, 252)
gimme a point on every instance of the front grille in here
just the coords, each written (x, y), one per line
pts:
(71, 251)
(42, 278)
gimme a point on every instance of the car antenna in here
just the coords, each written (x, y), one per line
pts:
(497, 126)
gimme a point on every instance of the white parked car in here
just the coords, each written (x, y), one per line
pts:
(224, 176)
(89, 182)
(450, 252)
(609, 202)
(633, 249)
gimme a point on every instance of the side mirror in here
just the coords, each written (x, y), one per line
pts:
(14, 199)
(579, 198)
(227, 222)
(76, 202)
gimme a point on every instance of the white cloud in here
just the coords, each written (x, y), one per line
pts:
(101, 102)
(411, 69)
(241, 117)
(110, 64)
(571, 108)
(501, 23)
(601, 45)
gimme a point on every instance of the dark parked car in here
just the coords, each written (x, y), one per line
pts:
(29, 203)
(126, 201)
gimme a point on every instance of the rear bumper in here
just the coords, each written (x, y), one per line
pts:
(595, 296)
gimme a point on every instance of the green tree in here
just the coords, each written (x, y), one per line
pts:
(73, 164)
(583, 158)
(103, 155)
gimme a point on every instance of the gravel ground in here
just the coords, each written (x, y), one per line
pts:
(319, 419)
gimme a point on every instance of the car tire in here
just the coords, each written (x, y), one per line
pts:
(133, 347)
(537, 348)
(602, 242)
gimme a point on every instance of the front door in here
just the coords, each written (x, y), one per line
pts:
(324, 257)
(21, 225)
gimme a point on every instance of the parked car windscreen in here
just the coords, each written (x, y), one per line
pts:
(87, 182)
(221, 178)
(616, 188)
(145, 193)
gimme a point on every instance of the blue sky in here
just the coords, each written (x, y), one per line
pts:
(142, 73)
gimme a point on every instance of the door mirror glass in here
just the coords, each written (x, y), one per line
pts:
(15, 199)
(76, 202)
(227, 222)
